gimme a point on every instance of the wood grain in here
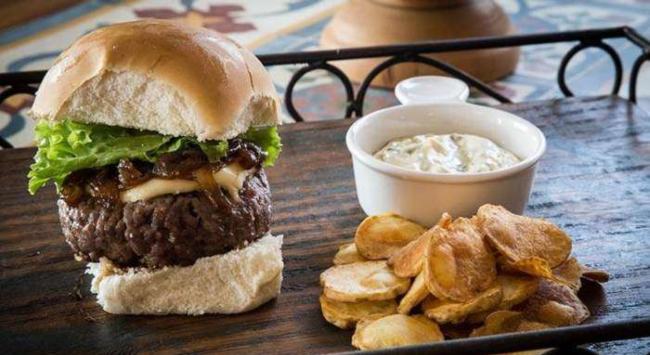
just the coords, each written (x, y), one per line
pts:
(594, 181)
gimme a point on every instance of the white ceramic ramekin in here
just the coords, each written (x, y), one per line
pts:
(423, 197)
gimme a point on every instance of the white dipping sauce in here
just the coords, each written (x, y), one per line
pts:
(446, 153)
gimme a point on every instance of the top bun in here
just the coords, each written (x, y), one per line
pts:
(161, 76)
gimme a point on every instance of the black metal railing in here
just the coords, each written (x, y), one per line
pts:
(27, 82)
(414, 52)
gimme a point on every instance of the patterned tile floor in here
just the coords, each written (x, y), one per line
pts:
(295, 25)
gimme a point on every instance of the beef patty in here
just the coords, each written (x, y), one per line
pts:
(170, 229)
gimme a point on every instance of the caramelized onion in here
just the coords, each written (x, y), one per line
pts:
(104, 185)
(180, 164)
(211, 189)
(205, 178)
(72, 190)
(131, 173)
(191, 163)
(247, 154)
(72, 194)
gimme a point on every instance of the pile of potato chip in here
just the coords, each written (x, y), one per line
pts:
(401, 284)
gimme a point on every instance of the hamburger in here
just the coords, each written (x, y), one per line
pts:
(156, 135)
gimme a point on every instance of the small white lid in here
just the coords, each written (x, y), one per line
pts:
(431, 89)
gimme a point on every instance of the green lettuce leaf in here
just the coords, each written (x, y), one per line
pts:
(268, 139)
(67, 146)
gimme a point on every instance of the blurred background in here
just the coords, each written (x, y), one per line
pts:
(34, 32)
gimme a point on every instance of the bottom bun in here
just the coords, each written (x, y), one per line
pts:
(235, 282)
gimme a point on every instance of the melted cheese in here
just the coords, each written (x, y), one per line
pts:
(230, 177)
(157, 187)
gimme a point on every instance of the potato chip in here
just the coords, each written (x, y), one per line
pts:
(555, 304)
(459, 264)
(477, 318)
(366, 281)
(516, 289)
(505, 266)
(557, 313)
(345, 315)
(348, 254)
(593, 274)
(529, 326)
(380, 236)
(499, 322)
(407, 262)
(504, 321)
(416, 294)
(531, 245)
(445, 220)
(450, 272)
(395, 330)
(533, 266)
(452, 312)
(569, 273)
(455, 331)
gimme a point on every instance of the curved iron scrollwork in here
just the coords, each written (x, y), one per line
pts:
(25, 82)
(355, 104)
(618, 65)
(442, 66)
(347, 84)
(634, 74)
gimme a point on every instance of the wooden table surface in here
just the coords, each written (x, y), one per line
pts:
(594, 181)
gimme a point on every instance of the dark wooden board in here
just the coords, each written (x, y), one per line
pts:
(594, 181)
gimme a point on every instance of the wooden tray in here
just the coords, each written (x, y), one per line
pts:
(594, 181)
